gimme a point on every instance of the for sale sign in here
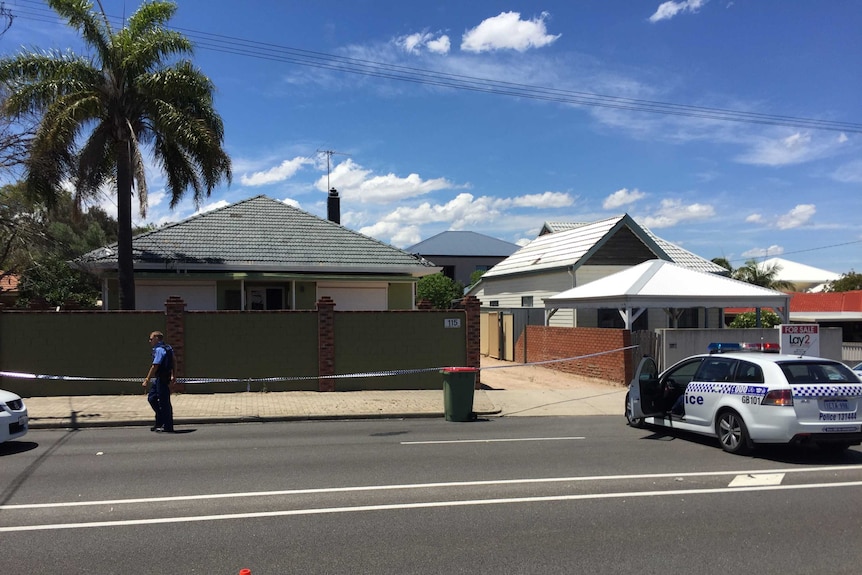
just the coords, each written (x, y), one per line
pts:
(800, 338)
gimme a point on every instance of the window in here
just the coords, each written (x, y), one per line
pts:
(526, 301)
(749, 373)
(716, 369)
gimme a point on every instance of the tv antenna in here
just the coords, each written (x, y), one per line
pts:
(329, 154)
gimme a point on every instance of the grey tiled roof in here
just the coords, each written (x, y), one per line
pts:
(261, 234)
(457, 243)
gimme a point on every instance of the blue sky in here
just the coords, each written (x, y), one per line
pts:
(415, 158)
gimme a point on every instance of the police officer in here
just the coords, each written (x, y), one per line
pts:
(161, 374)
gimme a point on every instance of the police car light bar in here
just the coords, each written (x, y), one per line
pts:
(732, 346)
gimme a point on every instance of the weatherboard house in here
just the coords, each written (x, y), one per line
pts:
(261, 254)
(568, 255)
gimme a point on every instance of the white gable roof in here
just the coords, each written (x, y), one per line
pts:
(569, 247)
(662, 284)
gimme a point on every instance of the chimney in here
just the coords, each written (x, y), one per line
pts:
(333, 206)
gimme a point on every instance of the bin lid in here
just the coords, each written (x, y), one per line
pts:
(459, 369)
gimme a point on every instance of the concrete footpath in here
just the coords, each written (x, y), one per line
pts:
(507, 390)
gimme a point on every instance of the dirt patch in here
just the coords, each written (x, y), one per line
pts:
(497, 374)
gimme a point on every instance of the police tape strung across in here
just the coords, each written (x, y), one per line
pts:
(201, 380)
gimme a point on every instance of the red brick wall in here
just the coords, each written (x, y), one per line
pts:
(548, 343)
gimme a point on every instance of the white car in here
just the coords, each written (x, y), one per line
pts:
(13, 416)
(746, 398)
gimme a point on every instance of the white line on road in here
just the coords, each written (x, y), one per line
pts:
(429, 504)
(359, 488)
(757, 479)
(491, 440)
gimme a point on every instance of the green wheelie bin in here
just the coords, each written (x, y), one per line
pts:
(458, 385)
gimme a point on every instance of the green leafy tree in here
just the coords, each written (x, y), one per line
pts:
(847, 282)
(723, 262)
(439, 290)
(53, 281)
(36, 241)
(762, 275)
(476, 276)
(768, 319)
(127, 95)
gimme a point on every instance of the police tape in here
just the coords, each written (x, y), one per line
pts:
(387, 373)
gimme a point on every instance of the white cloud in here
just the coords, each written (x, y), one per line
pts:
(850, 173)
(286, 170)
(754, 219)
(796, 217)
(672, 212)
(402, 225)
(439, 46)
(212, 206)
(545, 200)
(291, 202)
(507, 31)
(622, 197)
(796, 148)
(356, 183)
(771, 251)
(414, 43)
(668, 10)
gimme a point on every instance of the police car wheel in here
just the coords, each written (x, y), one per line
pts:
(732, 433)
(630, 418)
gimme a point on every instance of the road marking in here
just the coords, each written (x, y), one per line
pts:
(757, 479)
(426, 505)
(359, 488)
(491, 440)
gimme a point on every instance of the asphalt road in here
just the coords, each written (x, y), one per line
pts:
(520, 495)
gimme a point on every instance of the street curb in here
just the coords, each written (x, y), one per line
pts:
(246, 419)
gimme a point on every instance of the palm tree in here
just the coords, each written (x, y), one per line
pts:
(125, 96)
(763, 276)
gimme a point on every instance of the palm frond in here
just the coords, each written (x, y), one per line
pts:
(81, 15)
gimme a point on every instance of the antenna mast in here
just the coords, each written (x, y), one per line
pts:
(329, 154)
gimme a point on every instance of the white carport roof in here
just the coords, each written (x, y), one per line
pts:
(663, 284)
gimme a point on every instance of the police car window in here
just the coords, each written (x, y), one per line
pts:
(749, 373)
(684, 373)
(816, 372)
(716, 369)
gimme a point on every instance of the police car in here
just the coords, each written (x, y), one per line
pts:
(749, 397)
(13, 416)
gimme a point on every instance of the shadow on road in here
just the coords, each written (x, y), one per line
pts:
(13, 447)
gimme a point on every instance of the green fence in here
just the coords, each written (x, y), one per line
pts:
(238, 346)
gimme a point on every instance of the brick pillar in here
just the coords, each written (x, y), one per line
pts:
(325, 343)
(175, 326)
(471, 306)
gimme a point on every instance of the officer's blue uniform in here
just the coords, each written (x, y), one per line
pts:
(159, 395)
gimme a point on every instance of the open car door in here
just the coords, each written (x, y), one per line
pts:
(645, 392)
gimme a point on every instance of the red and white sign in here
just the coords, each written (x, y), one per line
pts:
(800, 338)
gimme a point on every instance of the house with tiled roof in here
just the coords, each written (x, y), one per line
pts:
(461, 253)
(565, 256)
(261, 254)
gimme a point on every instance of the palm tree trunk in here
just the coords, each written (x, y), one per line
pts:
(125, 261)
